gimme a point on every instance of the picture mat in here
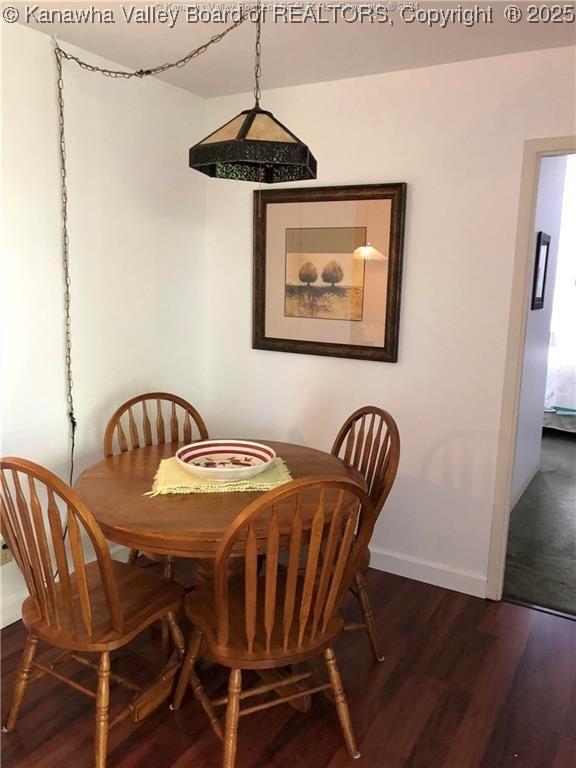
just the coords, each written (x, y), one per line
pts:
(374, 216)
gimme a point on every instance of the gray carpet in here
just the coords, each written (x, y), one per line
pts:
(541, 556)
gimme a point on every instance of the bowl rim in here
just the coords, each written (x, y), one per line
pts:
(224, 442)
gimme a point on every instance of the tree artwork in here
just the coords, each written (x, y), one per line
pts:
(308, 273)
(323, 279)
(332, 273)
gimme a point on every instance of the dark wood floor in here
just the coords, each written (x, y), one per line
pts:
(466, 684)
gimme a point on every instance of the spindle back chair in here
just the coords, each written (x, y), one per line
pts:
(74, 603)
(153, 418)
(285, 614)
(161, 418)
(369, 441)
(315, 518)
(49, 550)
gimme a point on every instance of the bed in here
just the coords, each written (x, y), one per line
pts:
(560, 400)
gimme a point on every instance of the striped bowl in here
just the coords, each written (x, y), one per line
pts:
(224, 460)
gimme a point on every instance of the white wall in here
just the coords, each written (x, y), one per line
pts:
(455, 134)
(529, 434)
(136, 232)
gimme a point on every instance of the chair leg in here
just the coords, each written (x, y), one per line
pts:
(102, 704)
(341, 703)
(133, 556)
(367, 613)
(22, 681)
(188, 675)
(168, 573)
(176, 634)
(205, 703)
(187, 665)
(164, 643)
(232, 714)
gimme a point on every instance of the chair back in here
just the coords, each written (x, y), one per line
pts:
(43, 521)
(369, 441)
(323, 523)
(153, 418)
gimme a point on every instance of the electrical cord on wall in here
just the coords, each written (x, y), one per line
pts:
(66, 271)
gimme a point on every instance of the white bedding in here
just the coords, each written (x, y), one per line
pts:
(564, 421)
(560, 381)
(560, 400)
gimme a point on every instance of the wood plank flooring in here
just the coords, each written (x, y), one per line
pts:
(466, 684)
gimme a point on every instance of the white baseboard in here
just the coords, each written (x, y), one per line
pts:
(11, 609)
(439, 574)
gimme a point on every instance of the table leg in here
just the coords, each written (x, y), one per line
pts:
(203, 570)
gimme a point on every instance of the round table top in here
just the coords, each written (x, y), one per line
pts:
(185, 525)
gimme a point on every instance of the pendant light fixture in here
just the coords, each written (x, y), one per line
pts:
(254, 146)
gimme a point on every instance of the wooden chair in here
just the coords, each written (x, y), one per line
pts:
(280, 617)
(370, 442)
(77, 606)
(184, 424)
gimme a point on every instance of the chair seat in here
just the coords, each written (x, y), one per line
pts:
(144, 598)
(201, 610)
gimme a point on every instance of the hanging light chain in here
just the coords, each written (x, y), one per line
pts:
(60, 54)
(118, 73)
(257, 65)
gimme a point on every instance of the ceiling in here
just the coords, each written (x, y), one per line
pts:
(293, 53)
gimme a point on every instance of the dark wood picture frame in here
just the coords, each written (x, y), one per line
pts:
(396, 193)
(542, 252)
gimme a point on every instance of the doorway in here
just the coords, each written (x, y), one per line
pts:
(540, 566)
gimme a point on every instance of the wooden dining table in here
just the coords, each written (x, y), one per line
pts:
(182, 525)
(188, 525)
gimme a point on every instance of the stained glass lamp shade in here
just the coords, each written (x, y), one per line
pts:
(254, 146)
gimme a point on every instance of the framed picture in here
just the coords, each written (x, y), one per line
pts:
(328, 270)
(540, 270)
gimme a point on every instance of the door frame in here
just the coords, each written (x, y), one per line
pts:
(534, 150)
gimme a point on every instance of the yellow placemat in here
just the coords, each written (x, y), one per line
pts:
(173, 478)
